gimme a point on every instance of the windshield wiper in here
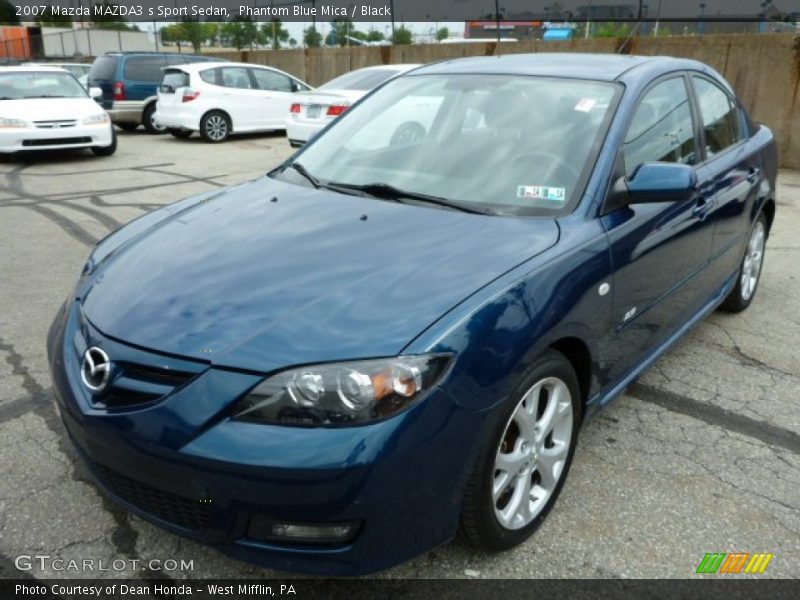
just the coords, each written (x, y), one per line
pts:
(304, 172)
(48, 96)
(389, 192)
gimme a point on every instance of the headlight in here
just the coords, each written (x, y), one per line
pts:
(343, 393)
(13, 123)
(98, 119)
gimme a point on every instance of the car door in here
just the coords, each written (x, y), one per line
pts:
(731, 173)
(658, 249)
(276, 91)
(239, 98)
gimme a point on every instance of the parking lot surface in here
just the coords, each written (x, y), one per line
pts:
(702, 454)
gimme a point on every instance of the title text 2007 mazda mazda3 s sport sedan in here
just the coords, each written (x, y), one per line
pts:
(334, 367)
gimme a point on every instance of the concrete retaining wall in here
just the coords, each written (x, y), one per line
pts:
(764, 69)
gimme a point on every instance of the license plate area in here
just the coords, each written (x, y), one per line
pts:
(313, 110)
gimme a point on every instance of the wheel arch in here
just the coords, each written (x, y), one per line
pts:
(577, 352)
(769, 212)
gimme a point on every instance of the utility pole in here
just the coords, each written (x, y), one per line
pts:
(497, 17)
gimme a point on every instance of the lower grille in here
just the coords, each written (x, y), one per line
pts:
(57, 141)
(180, 511)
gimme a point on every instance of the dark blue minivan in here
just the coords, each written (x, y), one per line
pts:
(130, 80)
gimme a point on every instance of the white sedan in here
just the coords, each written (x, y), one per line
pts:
(45, 108)
(218, 99)
(311, 111)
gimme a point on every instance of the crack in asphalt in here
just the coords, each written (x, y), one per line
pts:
(716, 415)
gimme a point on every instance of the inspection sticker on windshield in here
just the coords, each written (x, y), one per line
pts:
(542, 192)
(585, 105)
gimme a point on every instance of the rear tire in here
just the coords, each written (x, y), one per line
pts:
(107, 150)
(128, 126)
(181, 134)
(149, 123)
(749, 273)
(215, 126)
(521, 470)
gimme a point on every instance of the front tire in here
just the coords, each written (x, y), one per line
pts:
(520, 472)
(148, 120)
(107, 150)
(215, 126)
(749, 274)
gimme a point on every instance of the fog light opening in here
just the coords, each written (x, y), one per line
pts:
(302, 533)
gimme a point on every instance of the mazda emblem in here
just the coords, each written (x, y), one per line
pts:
(95, 369)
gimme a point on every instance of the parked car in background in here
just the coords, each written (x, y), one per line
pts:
(45, 108)
(312, 110)
(79, 70)
(220, 99)
(130, 81)
(334, 367)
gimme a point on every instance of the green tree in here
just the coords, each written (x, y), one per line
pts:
(342, 28)
(110, 20)
(195, 32)
(312, 38)
(442, 33)
(48, 19)
(8, 14)
(402, 36)
(375, 36)
(274, 34)
(292, 43)
(606, 30)
(240, 32)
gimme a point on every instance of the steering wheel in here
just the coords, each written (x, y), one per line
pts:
(544, 157)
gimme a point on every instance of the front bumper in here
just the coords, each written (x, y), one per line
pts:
(34, 138)
(181, 463)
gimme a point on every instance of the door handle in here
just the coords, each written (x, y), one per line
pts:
(703, 207)
(752, 174)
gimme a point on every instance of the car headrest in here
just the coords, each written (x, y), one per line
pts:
(507, 109)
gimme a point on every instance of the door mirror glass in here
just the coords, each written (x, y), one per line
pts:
(95, 93)
(661, 182)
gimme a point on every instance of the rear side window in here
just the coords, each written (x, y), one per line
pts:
(210, 76)
(144, 68)
(272, 81)
(721, 122)
(661, 130)
(236, 77)
(104, 67)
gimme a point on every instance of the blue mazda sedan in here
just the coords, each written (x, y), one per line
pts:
(398, 333)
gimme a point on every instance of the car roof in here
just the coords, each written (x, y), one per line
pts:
(31, 68)
(216, 64)
(573, 65)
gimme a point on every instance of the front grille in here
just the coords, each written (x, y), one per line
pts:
(56, 123)
(136, 384)
(177, 510)
(57, 141)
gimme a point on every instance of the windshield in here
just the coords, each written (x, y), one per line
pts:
(506, 144)
(103, 68)
(31, 84)
(362, 80)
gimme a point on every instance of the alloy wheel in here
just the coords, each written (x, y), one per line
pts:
(753, 259)
(532, 454)
(216, 128)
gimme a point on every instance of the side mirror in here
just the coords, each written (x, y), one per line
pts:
(662, 182)
(95, 93)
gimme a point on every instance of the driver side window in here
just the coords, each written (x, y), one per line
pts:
(661, 129)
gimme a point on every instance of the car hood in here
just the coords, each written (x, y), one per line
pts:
(41, 109)
(270, 274)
